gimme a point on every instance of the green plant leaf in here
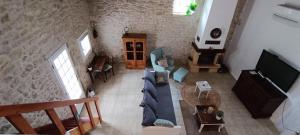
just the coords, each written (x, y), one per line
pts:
(193, 6)
(188, 12)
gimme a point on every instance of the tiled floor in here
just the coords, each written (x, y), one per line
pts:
(120, 97)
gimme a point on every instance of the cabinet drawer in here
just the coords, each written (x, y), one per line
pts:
(130, 64)
(140, 64)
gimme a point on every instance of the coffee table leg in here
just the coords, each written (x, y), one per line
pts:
(201, 127)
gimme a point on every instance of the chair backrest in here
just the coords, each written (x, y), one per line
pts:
(155, 54)
(159, 52)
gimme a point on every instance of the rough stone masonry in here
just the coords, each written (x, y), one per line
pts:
(30, 31)
(153, 17)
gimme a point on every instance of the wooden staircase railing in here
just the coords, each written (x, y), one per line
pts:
(13, 113)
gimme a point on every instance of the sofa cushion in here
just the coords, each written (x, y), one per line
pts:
(165, 108)
(161, 78)
(148, 75)
(151, 89)
(150, 101)
(162, 62)
(180, 74)
(163, 123)
(149, 116)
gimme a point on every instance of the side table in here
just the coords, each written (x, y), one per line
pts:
(202, 86)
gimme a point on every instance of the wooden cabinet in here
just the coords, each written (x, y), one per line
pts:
(258, 95)
(135, 48)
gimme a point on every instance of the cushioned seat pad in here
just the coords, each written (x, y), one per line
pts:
(165, 108)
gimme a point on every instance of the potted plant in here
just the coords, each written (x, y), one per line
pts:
(219, 115)
(192, 7)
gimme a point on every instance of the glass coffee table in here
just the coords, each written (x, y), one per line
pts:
(207, 117)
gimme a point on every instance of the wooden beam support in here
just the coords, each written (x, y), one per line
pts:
(13, 113)
(6, 110)
(88, 108)
(20, 124)
(98, 110)
(74, 112)
(55, 119)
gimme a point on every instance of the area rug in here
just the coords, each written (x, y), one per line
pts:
(192, 126)
(191, 97)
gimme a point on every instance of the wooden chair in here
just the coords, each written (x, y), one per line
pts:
(96, 68)
(108, 67)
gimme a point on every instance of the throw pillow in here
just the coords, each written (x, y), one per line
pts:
(149, 116)
(151, 89)
(149, 76)
(163, 62)
(161, 78)
(150, 101)
(163, 123)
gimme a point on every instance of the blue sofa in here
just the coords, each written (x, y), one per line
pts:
(159, 100)
(155, 55)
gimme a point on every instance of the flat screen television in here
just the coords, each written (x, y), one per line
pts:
(278, 71)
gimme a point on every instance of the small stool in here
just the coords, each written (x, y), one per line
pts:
(202, 86)
(180, 74)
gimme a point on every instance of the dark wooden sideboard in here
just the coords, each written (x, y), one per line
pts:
(259, 96)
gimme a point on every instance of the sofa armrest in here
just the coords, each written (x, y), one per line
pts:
(160, 69)
(156, 130)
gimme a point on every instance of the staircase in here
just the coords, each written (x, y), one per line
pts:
(73, 125)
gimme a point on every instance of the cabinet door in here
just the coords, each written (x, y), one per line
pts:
(259, 98)
(139, 45)
(129, 53)
(140, 53)
(129, 45)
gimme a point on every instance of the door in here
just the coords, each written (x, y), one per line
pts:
(140, 53)
(129, 53)
(64, 70)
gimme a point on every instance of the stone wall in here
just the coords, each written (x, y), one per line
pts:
(30, 31)
(153, 17)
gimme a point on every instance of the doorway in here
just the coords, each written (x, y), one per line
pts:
(64, 70)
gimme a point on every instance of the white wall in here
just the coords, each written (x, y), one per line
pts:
(212, 17)
(260, 30)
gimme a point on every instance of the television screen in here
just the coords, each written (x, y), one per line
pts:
(279, 72)
(282, 74)
(265, 62)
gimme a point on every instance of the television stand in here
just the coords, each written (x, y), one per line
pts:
(259, 96)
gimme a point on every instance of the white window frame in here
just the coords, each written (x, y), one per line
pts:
(60, 81)
(82, 36)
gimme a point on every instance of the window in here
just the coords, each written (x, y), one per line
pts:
(85, 44)
(61, 62)
(65, 72)
(184, 7)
